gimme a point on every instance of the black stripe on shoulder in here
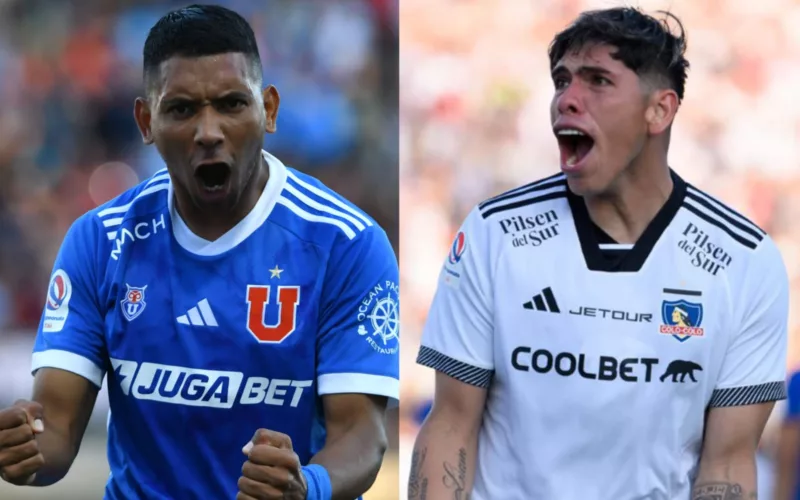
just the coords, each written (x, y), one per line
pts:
(540, 185)
(731, 217)
(750, 395)
(524, 202)
(463, 372)
(725, 206)
(720, 224)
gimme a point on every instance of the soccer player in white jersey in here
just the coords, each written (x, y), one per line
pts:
(610, 332)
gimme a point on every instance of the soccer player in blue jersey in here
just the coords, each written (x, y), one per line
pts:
(243, 314)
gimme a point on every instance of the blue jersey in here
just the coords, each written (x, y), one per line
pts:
(793, 412)
(202, 343)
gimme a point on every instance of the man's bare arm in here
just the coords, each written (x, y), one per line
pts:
(443, 460)
(728, 459)
(355, 442)
(68, 401)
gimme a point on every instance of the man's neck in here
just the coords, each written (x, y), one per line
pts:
(212, 223)
(635, 200)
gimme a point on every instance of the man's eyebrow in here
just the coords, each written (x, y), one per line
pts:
(175, 99)
(239, 94)
(581, 70)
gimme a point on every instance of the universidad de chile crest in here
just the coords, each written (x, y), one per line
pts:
(682, 319)
(133, 304)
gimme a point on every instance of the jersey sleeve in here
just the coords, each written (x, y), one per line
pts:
(70, 335)
(457, 339)
(358, 343)
(793, 398)
(754, 366)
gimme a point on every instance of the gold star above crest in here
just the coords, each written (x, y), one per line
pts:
(276, 272)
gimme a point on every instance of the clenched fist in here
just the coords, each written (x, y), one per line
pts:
(20, 458)
(272, 470)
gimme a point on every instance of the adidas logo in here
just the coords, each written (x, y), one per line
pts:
(200, 315)
(544, 301)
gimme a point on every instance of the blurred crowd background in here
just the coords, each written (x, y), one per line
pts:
(474, 122)
(68, 142)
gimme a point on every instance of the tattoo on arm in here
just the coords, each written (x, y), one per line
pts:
(721, 491)
(456, 477)
(418, 484)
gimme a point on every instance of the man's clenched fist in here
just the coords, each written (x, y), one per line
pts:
(19, 453)
(272, 469)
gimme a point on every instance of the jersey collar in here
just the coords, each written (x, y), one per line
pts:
(633, 259)
(247, 226)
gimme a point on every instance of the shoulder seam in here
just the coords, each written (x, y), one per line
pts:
(539, 185)
(96, 269)
(714, 212)
(716, 222)
(112, 217)
(723, 210)
(553, 195)
(351, 221)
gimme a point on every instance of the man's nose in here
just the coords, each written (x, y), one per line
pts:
(209, 131)
(569, 102)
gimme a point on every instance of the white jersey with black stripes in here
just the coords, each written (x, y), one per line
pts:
(601, 359)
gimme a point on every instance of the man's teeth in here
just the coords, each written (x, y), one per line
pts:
(214, 188)
(572, 160)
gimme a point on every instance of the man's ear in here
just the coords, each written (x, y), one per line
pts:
(142, 115)
(272, 101)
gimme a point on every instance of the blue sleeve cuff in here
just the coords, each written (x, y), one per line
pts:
(318, 482)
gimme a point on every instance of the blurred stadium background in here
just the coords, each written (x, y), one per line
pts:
(68, 142)
(474, 122)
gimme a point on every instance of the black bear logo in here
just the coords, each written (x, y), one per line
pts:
(682, 368)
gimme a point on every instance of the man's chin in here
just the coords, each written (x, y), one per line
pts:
(592, 180)
(584, 185)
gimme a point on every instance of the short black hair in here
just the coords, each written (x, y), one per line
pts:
(644, 44)
(197, 31)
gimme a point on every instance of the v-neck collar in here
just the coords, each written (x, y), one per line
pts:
(241, 231)
(633, 259)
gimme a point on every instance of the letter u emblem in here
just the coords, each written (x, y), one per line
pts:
(258, 297)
